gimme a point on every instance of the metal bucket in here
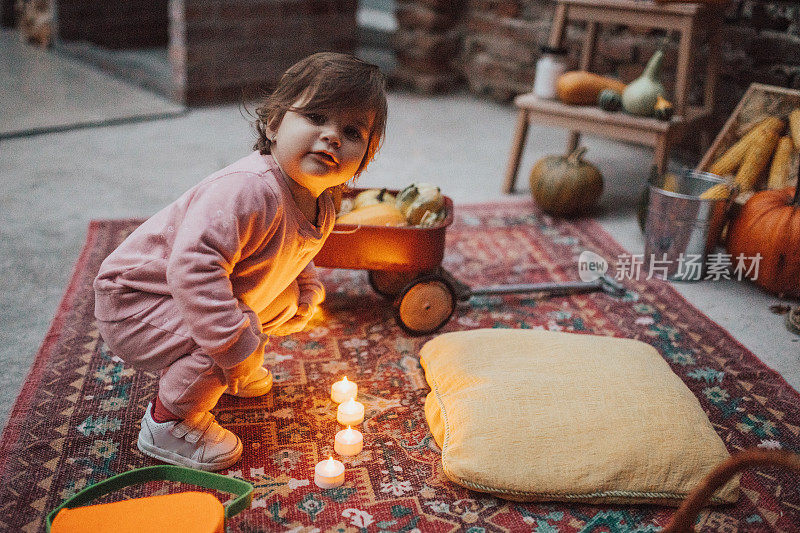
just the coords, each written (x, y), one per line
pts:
(681, 228)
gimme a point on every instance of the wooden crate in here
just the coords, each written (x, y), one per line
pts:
(758, 102)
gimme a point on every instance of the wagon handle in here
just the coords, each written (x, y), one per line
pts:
(603, 283)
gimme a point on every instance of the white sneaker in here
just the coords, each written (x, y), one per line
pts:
(258, 384)
(198, 443)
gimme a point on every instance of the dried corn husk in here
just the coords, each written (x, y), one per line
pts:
(671, 182)
(781, 163)
(720, 191)
(756, 160)
(794, 126)
(729, 161)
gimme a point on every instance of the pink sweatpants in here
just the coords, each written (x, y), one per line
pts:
(190, 381)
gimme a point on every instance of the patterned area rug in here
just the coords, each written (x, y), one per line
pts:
(77, 418)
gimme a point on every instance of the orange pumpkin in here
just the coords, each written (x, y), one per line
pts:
(769, 224)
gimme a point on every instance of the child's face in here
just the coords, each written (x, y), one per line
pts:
(321, 150)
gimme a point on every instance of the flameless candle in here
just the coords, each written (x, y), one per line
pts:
(343, 390)
(329, 474)
(350, 412)
(348, 442)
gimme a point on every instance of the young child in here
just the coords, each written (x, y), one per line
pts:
(196, 290)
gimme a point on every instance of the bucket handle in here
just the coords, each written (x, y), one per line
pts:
(683, 519)
(242, 489)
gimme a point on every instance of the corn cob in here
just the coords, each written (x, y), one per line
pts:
(781, 160)
(794, 126)
(720, 191)
(756, 160)
(670, 182)
(733, 156)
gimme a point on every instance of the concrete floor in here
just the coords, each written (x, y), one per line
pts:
(42, 92)
(53, 184)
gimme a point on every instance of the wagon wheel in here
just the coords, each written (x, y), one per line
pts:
(425, 305)
(389, 283)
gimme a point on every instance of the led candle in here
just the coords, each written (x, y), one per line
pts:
(348, 442)
(350, 412)
(329, 474)
(343, 390)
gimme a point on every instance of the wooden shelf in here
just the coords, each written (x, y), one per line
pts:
(685, 19)
(631, 11)
(617, 125)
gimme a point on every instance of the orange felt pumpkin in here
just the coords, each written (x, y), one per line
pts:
(769, 224)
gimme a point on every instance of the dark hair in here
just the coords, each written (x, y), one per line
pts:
(328, 81)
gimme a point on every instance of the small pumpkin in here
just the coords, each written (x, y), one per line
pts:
(565, 185)
(769, 224)
(663, 109)
(609, 100)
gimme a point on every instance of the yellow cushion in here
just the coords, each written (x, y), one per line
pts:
(537, 415)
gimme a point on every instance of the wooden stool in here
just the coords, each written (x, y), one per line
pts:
(685, 19)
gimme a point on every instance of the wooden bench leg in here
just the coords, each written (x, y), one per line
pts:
(661, 155)
(517, 144)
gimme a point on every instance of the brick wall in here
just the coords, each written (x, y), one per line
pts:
(228, 49)
(427, 44)
(501, 39)
(219, 50)
(116, 25)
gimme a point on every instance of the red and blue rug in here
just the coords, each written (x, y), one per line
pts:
(77, 418)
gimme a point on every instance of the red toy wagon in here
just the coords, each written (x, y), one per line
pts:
(404, 265)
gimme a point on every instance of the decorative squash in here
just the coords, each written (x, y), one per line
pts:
(579, 87)
(565, 185)
(372, 196)
(639, 97)
(417, 199)
(382, 214)
(407, 195)
(769, 224)
(609, 100)
(663, 109)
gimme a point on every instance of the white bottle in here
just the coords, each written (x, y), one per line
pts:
(549, 67)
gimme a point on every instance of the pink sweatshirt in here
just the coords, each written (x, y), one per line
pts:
(220, 254)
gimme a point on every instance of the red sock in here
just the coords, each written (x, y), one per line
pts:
(161, 414)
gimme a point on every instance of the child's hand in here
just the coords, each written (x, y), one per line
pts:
(239, 373)
(297, 322)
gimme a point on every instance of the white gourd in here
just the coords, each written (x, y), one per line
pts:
(640, 96)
